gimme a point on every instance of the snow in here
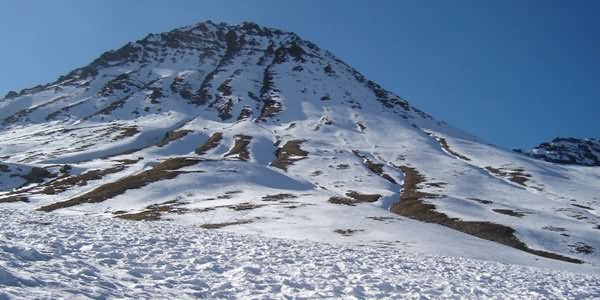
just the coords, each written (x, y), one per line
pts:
(347, 127)
(50, 256)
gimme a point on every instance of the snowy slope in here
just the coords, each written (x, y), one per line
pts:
(250, 129)
(48, 256)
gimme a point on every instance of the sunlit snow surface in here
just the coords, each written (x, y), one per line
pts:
(52, 256)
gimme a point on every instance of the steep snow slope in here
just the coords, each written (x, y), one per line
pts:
(255, 130)
(47, 256)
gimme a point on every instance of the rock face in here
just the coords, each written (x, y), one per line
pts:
(254, 129)
(572, 151)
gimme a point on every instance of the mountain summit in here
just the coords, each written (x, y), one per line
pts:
(252, 129)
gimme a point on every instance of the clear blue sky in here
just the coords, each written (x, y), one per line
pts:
(515, 73)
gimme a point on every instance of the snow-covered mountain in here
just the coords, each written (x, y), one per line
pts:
(571, 151)
(255, 130)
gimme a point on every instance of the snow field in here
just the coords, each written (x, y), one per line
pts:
(52, 256)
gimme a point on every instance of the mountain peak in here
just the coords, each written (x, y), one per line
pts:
(192, 58)
(262, 129)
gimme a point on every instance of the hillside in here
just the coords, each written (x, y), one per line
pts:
(255, 130)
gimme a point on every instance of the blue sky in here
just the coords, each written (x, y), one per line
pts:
(515, 73)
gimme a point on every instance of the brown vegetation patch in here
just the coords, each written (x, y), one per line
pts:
(240, 148)
(163, 171)
(482, 201)
(173, 136)
(270, 109)
(126, 132)
(510, 212)
(129, 161)
(341, 200)
(212, 142)
(289, 154)
(233, 192)
(65, 181)
(358, 197)
(278, 197)
(442, 141)
(245, 113)
(517, 176)
(13, 199)
(555, 229)
(244, 206)
(381, 219)
(375, 167)
(221, 225)
(347, 232)
(110, 108)
(153, 212)
(436, 184)
(582, 206)
(412, 205)
(36, 175)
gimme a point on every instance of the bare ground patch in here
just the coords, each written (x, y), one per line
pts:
(482, 201)
(173, 136)
(278, 197)
(444, 144)
(582, 206)
(510, 212)
(342, 200)
(212, 142)
(517, 176)
(154, 212)
(412, 204)
(240, 148)
(359, 197)
(289, 154)
(126, 132)
(581, 247)
(224, 224)
(374, 167)
(167, 169)
(14, 199)
(381, 219)
(348, 232)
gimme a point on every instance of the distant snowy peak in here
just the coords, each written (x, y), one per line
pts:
(572, 151)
